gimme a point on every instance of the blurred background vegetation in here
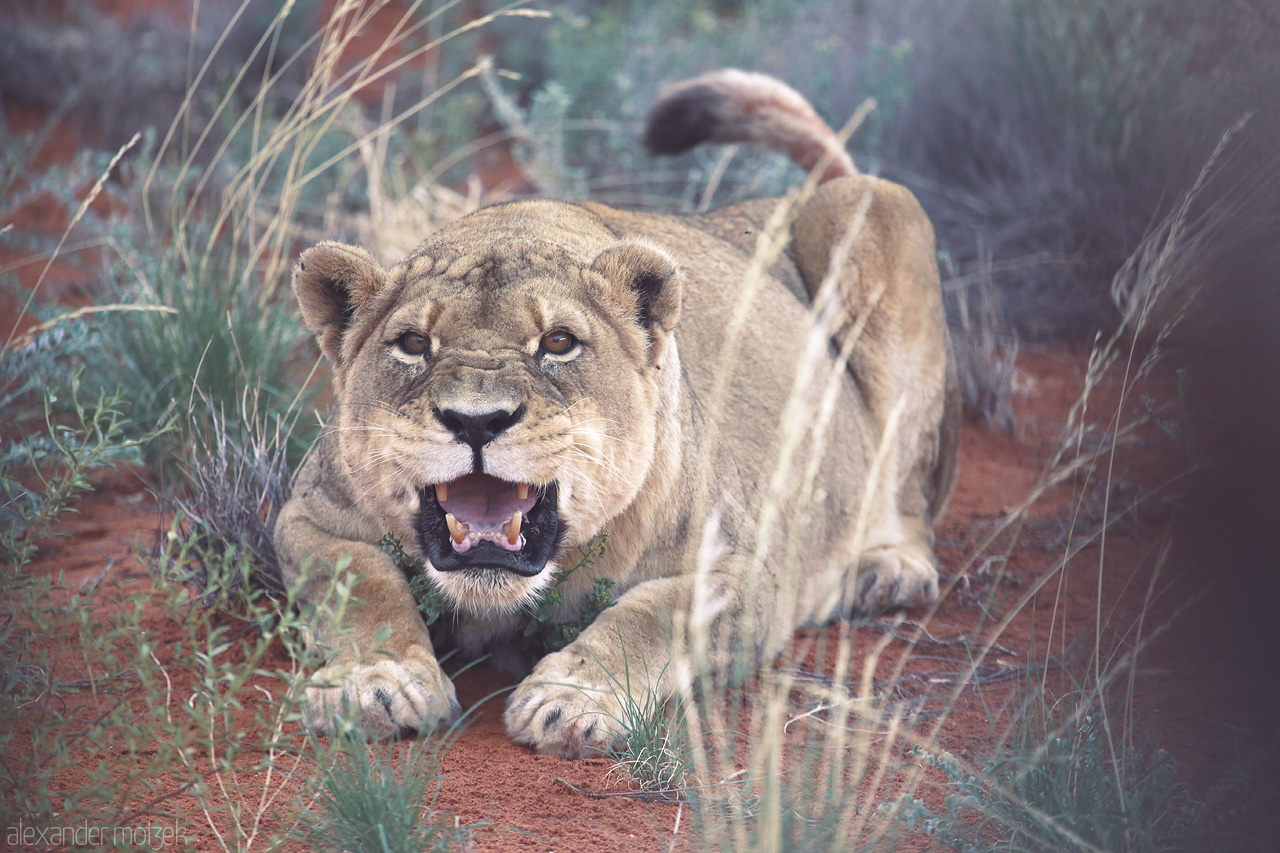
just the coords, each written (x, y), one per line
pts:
(1044, 138)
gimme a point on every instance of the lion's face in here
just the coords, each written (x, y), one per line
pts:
(497, 398)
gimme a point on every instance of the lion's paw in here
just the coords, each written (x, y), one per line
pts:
(891, 577)
(383, 696)
(565, 711)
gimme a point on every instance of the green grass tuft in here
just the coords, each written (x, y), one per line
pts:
(378, 798)
(656, 754)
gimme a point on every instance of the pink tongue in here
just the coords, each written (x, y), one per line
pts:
(485, 503)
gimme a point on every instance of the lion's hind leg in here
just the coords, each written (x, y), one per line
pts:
(892, 329)
(899, 575)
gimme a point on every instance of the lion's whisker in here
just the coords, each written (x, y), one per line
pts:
(606, 464)
(376, 457)
(577, 477)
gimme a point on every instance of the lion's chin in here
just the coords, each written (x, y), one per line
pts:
(489, 593)
(485, 528)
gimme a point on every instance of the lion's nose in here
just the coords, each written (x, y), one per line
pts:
(478, 429)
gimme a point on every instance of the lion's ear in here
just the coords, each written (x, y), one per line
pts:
(651, 275)
(332, 281)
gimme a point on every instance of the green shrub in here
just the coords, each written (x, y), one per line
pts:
(43, 472)
(1048, 136)
(590, 74)
(224, 339)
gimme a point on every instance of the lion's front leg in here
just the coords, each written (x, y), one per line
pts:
(574, 705)
(582, 699)
(380, 672)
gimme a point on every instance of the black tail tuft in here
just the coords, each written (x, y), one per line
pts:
(683, 120)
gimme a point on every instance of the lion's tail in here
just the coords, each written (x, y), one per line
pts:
(744, 106)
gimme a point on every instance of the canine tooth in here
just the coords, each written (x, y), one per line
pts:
(522, 490)
(442, 492)
(457, 529)
(512, 527)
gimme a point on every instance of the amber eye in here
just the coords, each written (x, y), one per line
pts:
(414, 344)
(558, 342)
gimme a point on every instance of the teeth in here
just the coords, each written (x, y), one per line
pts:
(522, 491)
(512, 527)
(442, 492)
(457, 529)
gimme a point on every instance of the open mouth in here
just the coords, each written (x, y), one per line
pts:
(481, 522)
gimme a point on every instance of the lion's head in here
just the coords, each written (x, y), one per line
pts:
(498, 389)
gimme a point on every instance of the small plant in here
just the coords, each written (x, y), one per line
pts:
(236, 468)
(378, 798)
(887, 79)
(539, 132)
(431, 603)
(655, 755)
(545, 627)
(985, 347)
(43, 473)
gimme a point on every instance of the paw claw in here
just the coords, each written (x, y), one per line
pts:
(894, 578)
(569, 716)
(382, 697)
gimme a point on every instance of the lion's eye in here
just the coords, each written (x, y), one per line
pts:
(414, 344)
(558, 342)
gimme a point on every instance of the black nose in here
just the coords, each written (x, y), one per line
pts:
(479, 429)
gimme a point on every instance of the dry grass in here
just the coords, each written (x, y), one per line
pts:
(985, 347)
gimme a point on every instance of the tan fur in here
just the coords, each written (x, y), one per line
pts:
(728, 528)
(745, 106)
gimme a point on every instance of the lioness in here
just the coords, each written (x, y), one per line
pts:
(539, 373)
